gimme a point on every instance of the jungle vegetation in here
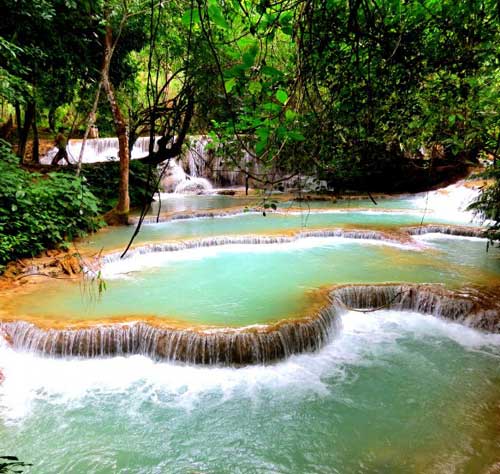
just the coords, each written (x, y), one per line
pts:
(365, 94)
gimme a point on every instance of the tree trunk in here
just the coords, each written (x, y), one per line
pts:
(35, 154)
(90, 123)
(52, 118)
(120, 214)
(25, 128)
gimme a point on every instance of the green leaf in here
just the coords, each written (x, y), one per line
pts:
(296, 136)
(260, 147)
(191, 13)
(282, 96)
(229, 84)
(216, 16)
(255, 87)
(271, 107)
(271, 71)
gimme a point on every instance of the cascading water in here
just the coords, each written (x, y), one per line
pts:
(216, 346)
(337, 403)
(98, 150)
(202, 161)
(451, 201)
(261, 344)
(177, 181)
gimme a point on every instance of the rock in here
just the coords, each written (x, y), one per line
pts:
(12, 271)
(70, 265)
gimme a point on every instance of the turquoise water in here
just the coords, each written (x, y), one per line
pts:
(393, 393)
(382, 203)
(252, 223)
(247, 284)
(186, 203)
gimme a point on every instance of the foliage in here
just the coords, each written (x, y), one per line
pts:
(55, 42)
(487, 206)
(40, 211)
(11, 464)
(102, 180)
(358, 93)
(379, 82)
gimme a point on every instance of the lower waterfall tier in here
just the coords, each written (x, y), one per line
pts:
(256, 344)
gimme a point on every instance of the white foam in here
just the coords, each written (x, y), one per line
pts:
(449, 203)
(365, 339)
(431, 236)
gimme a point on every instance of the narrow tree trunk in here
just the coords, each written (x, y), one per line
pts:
(120, 214)
(36, 143)
(90, 122)
(52, 118)
(24, 130)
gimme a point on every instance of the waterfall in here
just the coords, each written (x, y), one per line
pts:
(200, 160)
(459, 231)
(250, 240)
(98, 149)
(476, 308)
(216, 346)
(261, 344)
(450, 202)
(176, 180)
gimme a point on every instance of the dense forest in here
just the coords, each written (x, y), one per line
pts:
(385, 95)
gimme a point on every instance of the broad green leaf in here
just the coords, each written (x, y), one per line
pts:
(296, 136)
(282, 96)
(260, 146)
(229, 84)
(271, 71)
(271, 107)
(216, 16)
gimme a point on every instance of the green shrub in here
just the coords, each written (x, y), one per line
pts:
(487, 205)
(102, 179)
(41, 211)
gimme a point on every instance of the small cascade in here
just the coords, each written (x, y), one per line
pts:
(216, 346)
(202, 161)
(98, 150)
(471, 307)
(194, 186)
(250, 240)
(260, 344)
(450, 202)
(177, 181)
(459, 231)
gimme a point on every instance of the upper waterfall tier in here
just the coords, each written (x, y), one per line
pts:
(241, 281)
(98, 149)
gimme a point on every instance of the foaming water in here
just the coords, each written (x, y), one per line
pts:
(432, 236)
(362, 339)
(406, 373)
(450, 202)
